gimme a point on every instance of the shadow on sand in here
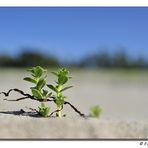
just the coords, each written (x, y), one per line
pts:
(21, 112)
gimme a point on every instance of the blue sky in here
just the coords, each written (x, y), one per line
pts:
(72, 33)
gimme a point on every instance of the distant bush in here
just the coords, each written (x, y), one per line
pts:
(118, 60)
(28, 59)
(7, 61)
(31, 59)
(102, 59)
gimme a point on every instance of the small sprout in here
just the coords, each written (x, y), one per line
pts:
(62, 78)
(44, 110)
(39, 79)
(95, 111)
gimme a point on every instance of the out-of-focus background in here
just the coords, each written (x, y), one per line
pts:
(105, 50)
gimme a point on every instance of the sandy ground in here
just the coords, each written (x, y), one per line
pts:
(70, 128)
(123, 98)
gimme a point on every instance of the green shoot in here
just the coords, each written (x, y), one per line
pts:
(43, 110)
(62, 78)
(39, 80)
(95, 111)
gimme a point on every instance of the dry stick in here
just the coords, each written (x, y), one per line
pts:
(28, 96)
(75, 109)
(19, 91)
(23, 98)
(24, 94)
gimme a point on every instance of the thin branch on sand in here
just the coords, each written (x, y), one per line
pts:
(28, 96)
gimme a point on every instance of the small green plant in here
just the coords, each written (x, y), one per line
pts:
(44, 110)
(95, 111)
(62, 78)
(39, 80)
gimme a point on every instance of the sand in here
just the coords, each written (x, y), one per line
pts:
(123, 99)
(20, 127)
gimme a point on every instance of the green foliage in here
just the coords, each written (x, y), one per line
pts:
(95, 111)
(52, 88)
(30, 80)
(62, 75)
(43, 110)
(29, 58)
(62, 78)
(36, 93)
(39, 80)
(66, 88)
(37, 71)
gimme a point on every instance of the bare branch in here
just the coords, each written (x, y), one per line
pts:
(19, 91)
(75, 109)
(6, 93)
(23, 98)
(27, 96)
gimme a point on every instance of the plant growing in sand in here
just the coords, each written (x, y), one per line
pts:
(39, 80)
(62, 78)
(42, 95)
(95, 111)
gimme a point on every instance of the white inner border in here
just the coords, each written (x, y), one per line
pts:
(72, 3)
(72, 144)
(78, 3)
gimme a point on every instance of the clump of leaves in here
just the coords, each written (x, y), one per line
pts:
(39, 80)
(62, 78)
(44, 110)
(95, 111)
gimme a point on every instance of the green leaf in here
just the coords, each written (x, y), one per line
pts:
(45, 92)
(36, 93)
(31, 70)
(41, 83)
(37, 71)
(49, 94)
(66, 88)
(63, 71)
(52, 87)
(30, 80)
(62, 80)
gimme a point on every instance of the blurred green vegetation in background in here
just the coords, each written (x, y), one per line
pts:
(99, 60)
(28, 59)
(117, 60)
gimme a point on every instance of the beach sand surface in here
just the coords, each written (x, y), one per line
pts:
(123, 97)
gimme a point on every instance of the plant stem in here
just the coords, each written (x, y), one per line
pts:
(59, 114)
